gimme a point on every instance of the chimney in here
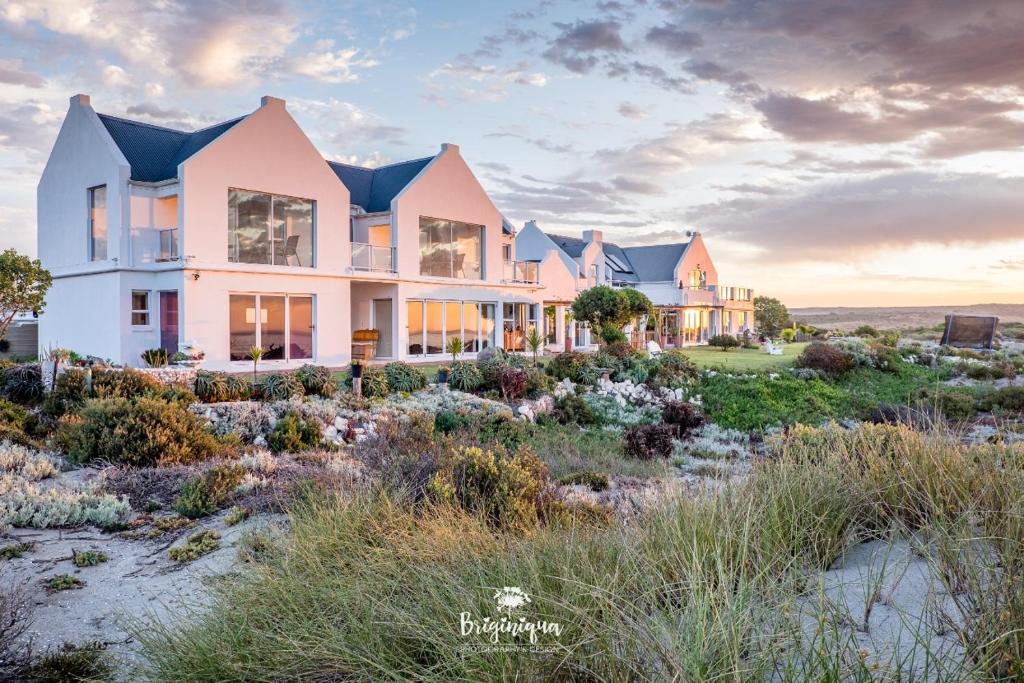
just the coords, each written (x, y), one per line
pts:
(531, 224)
(268, 101)
(593, 236)
(445, 146)
(81, 100)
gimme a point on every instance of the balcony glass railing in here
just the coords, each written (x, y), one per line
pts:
(154, 245)
(522, 271)
(168, 244)
(372, 257)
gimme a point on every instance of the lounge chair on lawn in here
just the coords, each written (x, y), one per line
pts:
(771, 349)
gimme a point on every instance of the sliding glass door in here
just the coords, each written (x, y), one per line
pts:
(432, 323)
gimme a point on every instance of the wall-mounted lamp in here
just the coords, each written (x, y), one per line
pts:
(195, 276)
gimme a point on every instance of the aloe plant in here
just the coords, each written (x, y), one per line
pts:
(534, 341)
(255, 354)
(455, 347)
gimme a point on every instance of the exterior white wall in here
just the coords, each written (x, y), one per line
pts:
(83, 314)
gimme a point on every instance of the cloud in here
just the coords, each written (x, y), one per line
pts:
(343, 124)
(30, 127)
(475, 81)
(835, 220)
(632, 111)
(13, 72)
(1009, 264)
(115, 76)
(540, 143)
(749, 188)
(329, 65)
(674, 39)
(579, 43)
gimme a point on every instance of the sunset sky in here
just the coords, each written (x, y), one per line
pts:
(833, 152)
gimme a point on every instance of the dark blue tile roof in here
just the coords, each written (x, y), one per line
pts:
(649, 264)
(154, 152)
(374, 188)
(506, 227)
(573, 246)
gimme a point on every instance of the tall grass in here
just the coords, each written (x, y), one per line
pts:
(708, 588)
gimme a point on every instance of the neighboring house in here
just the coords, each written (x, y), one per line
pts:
(680, 279)
(242, 235)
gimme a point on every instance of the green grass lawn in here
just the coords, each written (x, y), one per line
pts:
(743, 359)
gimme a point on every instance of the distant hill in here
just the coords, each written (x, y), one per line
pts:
(900, 317)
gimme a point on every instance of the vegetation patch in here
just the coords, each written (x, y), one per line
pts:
(197, 545)
(13, 551)
(88, 558)
(63, 582)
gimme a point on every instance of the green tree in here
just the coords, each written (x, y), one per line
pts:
(770, 315)
(724, 341)
(602, 307)
(23, 286)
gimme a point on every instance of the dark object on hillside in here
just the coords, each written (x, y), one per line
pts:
(971, 331)
(916, 418)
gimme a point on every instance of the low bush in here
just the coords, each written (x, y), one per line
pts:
(464, 375)
(1008, 399)
(647, 442)
(951, 402)
(316, 380)
(127, 383)
(513, 383)
(507, 491)
(573, 365)
(88, 558)
(204, 494)
(15, 423)
(683, 416)
(197, 545)
(538, 382)
(292, 433)
(69, 393)
(595, 481)
(375, 381)
(143, 432)
(23, 383)
(866, 331)
(155, 358)
(724, 342)
(824, 358)
(572, 409)
(69, 662)
(404, 377)
(63, 582)
(216, 387)
(672, 369)
(278, 387)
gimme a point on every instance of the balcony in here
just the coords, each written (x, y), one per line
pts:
(154, 245)
(691, 295)
(526, 272)
(374, 258)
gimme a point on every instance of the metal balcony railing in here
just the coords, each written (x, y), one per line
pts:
(373, 258)
(521, 271)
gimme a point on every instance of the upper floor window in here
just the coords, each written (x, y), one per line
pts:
(451, 249)
(506, 252)
(98, 223)
(269, 228)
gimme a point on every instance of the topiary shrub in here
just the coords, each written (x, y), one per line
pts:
(572, 409)
(465, 376)
(726, 341)
(23, 383)
(513, 383)
(404, 377)
(125, 383)
(681, 415)
(505, 491)
(824, 358)
(69, 393)
(278, 387)
(143, 431)
(647, 442)
(292, 433)
(316, 380)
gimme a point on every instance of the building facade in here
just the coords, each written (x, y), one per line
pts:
(241, 235)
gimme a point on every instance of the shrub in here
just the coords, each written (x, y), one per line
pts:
(87, 558)
(1010, 399)
(211, 387)
(513, 383)
(865, 331)
(63, 582)
(825, 359)
(69, 662)
(447, 421)
(647, 442)
(952, 403)
(505, 491)
(279, 387)
(236, 515)
(465, 376)
(237, 388)
(404, 377)
(155, 358)
(375, 382)
(292, 433)
(595, 481)
(490, 366)
(23, 383)
(681, 415)
(68, 395)
(142, 432)
(573, 365)
(672, 369)
(127, 383)
(724, 341)
(612, 335)
(15, 422)
(316, 380)
(204, 494)
(621, 350)
(197, 545)
(537, 382)
(572, 409)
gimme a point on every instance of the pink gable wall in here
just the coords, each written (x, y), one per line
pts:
(696, 255)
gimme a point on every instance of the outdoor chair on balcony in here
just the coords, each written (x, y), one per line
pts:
(288, 250)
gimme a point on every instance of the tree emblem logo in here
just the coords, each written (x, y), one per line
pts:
(510, 598)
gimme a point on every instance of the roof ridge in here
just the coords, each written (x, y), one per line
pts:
(377, 168)
(143, 123)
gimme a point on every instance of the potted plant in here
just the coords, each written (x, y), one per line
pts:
(442, 374)
(189, 354)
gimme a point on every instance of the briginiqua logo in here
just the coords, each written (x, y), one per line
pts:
(510, 627)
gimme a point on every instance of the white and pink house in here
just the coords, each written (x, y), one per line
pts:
(241, 235)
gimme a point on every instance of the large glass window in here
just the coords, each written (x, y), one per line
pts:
(270, 229)
(280, 325)
(432, 323)
(550, 325)
(451, 249)
(518, 319)
(98, 223)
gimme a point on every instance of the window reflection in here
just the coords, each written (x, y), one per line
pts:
(269, 229)
(450, 249)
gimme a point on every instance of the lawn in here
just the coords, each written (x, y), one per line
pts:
(743, 359)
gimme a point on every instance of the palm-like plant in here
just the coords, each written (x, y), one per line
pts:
(455, 348)
(255, 354)
(534, 341)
